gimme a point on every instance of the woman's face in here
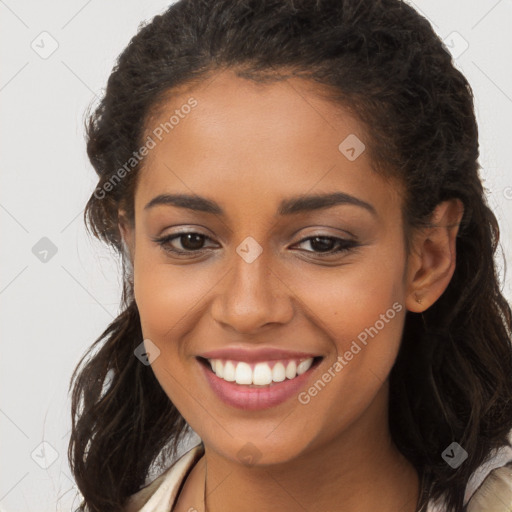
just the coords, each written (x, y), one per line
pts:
(255, 277)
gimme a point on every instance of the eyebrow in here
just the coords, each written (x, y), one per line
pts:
(290, 206)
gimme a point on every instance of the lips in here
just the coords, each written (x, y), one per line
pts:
(244, 395)
(253, 398)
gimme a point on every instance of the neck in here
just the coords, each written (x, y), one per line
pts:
(360, 469)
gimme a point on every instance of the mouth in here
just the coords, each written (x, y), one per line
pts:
(261, 385)
(262, 374)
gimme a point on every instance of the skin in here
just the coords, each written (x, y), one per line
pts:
(247, 146)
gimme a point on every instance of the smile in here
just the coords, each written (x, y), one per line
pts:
(257, 386)
(259, 374)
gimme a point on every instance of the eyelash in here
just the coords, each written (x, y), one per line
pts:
(344, 245)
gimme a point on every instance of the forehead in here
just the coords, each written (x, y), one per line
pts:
(259, 140)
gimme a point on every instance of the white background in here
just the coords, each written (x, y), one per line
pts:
(51, 312)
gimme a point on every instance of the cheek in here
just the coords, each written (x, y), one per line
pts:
(347, 301)
(360, 310)
(169, 299)
(167, 295)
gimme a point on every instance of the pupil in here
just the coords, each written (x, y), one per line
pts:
(324, 244)
(192, 241)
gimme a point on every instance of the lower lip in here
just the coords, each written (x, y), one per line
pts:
(253, 399)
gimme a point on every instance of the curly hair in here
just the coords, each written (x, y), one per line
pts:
(452, 379)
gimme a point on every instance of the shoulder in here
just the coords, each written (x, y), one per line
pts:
(495, 492)
(490, 488)
(161, 493)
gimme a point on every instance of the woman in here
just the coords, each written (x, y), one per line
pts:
(309, 281)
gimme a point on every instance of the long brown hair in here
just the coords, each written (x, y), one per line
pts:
(452, 380)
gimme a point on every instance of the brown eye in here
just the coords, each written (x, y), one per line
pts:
(322, 244)
(191, 241)
(183, 243)
(325, 244)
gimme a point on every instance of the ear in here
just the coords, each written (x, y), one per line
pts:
(127, 231)
(431, 263)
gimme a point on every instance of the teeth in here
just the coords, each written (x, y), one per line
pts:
(229, 371)
(263, 373)
(219, 368)
(291, 370)
(243, 374)
(279, 372)
(304, 366)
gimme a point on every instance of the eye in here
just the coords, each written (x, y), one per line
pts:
(324, 244)
(191, 242)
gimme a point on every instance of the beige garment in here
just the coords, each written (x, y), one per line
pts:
(493, 495)
(161, 494)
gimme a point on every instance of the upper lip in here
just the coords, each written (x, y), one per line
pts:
(255, 354)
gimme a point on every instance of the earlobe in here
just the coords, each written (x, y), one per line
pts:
(432, 260)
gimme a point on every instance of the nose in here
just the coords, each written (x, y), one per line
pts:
(252, 296)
